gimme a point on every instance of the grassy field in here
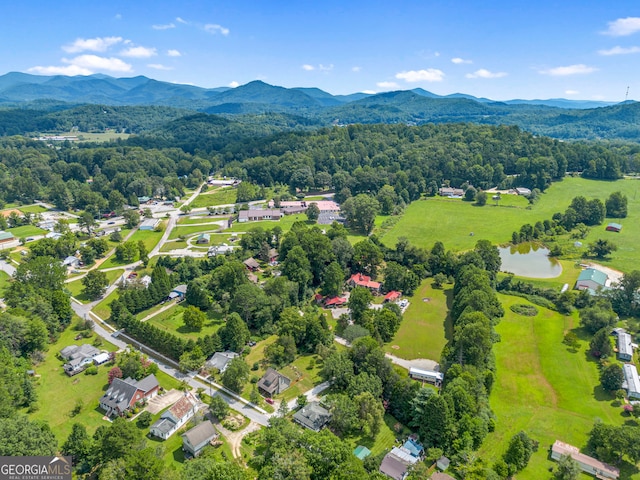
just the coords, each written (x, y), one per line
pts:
(102, 309)
(200, 219)
(303, 374)
(150, 239)
(26, 231)
(171, 321)
(452, 220)
(543, 388)
(98, 137)
(212, 198)
(426, 326)
(4, 282)
(385, 439)
(32, 209)
(190, 230)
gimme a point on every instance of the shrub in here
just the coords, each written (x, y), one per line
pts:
(523, 309)
(93, 370)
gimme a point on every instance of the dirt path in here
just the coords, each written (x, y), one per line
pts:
(614, 275)
(234, 439)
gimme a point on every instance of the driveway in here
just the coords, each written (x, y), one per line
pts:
(160, 402)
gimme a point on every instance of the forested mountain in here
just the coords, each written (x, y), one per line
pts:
(36, 104)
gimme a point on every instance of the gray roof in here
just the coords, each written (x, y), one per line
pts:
(631, 379)
(163, 425)
(180, 289)
(624, 344)
(79, 352)
(220, 360)
(121, 392)
(273, 382)
(393, 467)
(148, 383)
(312, 416)
(200, 434)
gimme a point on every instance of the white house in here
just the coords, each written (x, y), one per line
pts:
(625, 347)
(175, 417)
(631, 381)
(587, 464)
(429, 376)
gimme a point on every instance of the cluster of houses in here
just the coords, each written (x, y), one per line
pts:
(79, 358)
(329, 211)
(397, 463)
(459, 192)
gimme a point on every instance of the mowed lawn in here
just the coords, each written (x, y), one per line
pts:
(171, 321)
(452, 221)
(76, 287)
(219, 196)
(543, 388)
(426, 325)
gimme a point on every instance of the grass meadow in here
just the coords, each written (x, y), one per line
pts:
(544, 388)
(171, 321)
(212, 198)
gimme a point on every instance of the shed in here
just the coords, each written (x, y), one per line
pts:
(6, 237)
(593, 279)
(150, 224)
(101, 358)
(631, 381)
(614, 227)
(362, 452)
(194, 441)
(252, 264)
(428, 376)
(392, 296)
(203, 238)
(443, 463)
(179, 292)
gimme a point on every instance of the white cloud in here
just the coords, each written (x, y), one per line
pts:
(571, 92)
(459, 61)
(70, 70)
(579, 69)
(94, 62)
(159, 66)
(623, 27)
(174, 53)
(234, 84)
(619, 51)
(428, 75)
(369, 92)
(167, 26)
(484, 73)
(308, 68)
(139, 52)
(388, 85)
(99, 44)
(118, 16)
(356, 69)
(181, 20)
(325, 68)
(215, 28)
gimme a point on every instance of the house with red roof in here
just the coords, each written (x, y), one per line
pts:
(392, 296)
(360, 280)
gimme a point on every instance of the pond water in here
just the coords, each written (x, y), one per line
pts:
(529, 260)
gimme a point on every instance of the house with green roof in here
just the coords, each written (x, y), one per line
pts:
(6, 238)
(592, 279)
(362, 452)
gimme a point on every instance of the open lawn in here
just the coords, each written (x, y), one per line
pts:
(171, 321)
(58, 393)
(150, 238)
(190, 230)
(32, 209)
(426, 325)
(26, 231)
(214, 197)
(99, 137)
(452, 220)
(304, 375)
(385, 439)
(102, 309)
(4, 282)
(198, 219)
(544, 388)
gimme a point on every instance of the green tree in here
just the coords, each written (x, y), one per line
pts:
(21, 437)
(192, 360)
(567, 468)
(367, 257)
(519, 451)
(616, 205)
(481, 198)
(360, 212)
(193, 318)
(602, 248)
(210, 468)
(370, 413)
(132, 218)
(612, 377)
(313, 212)
(387, 198)
(144, 419)
(332, 280)
(126, 252)
(78, 444)
(42, 273)
(344, 414)
(234, 334)
(296, 267)
(219, 408)
(235, 376)
(359, 302)
(95, 283)
(597, 318)
(87, 222)
(600, 344)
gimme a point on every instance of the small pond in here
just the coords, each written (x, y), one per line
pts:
(529, 260)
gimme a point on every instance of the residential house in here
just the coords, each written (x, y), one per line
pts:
(149, 224)
(47, 224)
(259, 215)
(625, 347)
(592, 279)
(179, 292)
(252, 264)
(273, 255)
(175, 417)
(587, 464)
(122, 395)
(428, 376)
(6, 239)
(396, 463)
(220, 361)
(614, 227)
(272, 383)
(194, 441)
(312, 416)
(223, 249)
(54, 235)
(101, 358)
(78, 358)
(631, 381)
(443, 463)
(392, 296)
(71, 262)
(360, 280)
(450, 192)
(203, 238)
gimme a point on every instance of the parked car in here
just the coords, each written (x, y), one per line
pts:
(269, 401)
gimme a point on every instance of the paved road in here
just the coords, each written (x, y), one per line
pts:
(422, 363)
(7, 268)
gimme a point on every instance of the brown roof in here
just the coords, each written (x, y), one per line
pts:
(393, 467)
(182, 407)
(251, 263)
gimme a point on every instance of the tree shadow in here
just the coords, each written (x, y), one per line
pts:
(601, 395)
(448, 321)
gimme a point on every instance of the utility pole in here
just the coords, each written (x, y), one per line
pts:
(626, 97)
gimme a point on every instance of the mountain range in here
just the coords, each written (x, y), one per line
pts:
(560, 118)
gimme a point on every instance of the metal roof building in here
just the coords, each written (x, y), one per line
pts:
(625, 348)
(631, 380)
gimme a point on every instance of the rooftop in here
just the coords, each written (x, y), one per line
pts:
(561, 448)
(631, 378)
(624, 344)
(201, 433)
(594, 275)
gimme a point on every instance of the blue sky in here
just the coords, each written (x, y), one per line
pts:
(497, 49)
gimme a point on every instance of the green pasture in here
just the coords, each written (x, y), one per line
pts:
(200, 219)
(76, 286)
(4, 281)
(215, 197)
(426, 325)
(190, 230)
(170, 320)
(26, 231)
(32, 209)
(103, 309)
(544, 388)
(452, 221)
